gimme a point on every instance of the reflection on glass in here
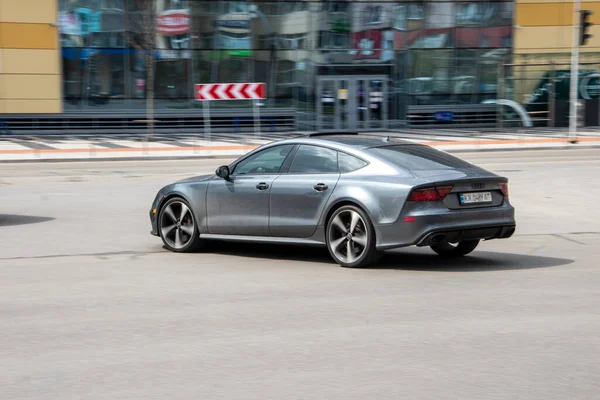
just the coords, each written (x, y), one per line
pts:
(375, 103)
(360, 105)
(327, 98)
(343, 103)
(286, 44)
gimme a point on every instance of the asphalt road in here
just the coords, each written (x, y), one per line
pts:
(93, 307)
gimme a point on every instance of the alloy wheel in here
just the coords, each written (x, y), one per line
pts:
(177, 225)
(348, 236)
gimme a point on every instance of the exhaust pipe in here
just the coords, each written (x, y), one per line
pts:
(439, 237)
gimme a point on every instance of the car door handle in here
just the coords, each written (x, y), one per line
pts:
(320, 187)
(262, 186)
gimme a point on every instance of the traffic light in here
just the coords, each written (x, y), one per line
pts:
(583, 26)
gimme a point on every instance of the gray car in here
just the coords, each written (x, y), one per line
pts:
(356, 194)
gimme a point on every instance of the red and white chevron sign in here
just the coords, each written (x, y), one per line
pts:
(230, 91)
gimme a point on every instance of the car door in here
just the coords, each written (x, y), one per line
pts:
(299, 195)
(240, 204)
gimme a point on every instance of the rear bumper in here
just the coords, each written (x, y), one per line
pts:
(427, 226)
(457, 235)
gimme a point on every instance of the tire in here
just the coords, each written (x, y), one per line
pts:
(361, 242)
(463, 248)
(177, 226)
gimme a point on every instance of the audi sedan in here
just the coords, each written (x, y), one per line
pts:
(358, 195)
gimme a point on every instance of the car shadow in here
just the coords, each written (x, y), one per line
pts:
(478, 261)
(14, 220)
(410, 259)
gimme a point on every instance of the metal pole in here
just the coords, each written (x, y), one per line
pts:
(206, 120)
(500, 96)
(552, 97)
(256, 122)
(574, 73)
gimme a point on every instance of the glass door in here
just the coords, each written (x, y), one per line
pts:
(377, 90)
(334, 104)
(350, 103)
(343, 114)
(326, 105)
(362, 106)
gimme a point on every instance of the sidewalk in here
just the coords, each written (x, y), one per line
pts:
(231, 145)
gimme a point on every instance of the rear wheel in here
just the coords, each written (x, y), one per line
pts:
(455, 250)
(177, 226)
(351, 238)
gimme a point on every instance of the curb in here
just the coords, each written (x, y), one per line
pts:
(234, 156)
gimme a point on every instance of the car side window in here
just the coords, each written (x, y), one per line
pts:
(348, 163)
(268, 161)
(314, 160)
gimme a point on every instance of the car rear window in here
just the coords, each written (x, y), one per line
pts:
(418, 157)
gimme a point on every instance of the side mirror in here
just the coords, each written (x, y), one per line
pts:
(223, 172)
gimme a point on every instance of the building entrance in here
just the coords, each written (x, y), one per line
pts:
(352, 103)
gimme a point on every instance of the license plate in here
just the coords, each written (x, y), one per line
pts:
(478, 197)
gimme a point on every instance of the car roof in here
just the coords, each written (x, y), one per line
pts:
(356, 141)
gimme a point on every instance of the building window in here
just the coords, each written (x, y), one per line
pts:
(372, 15)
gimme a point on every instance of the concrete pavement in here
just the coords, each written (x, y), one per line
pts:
(93, 307)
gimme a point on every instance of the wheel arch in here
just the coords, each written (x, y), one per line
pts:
(358, 195)
(194, 206)
(341, 203)
(168, 197)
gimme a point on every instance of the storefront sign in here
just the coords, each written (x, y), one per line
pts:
(173, 22)
(239, 53)
(444, 116)
(590, 86)
(234, 43)
(174, 54)
(230, 23)
(367, 45)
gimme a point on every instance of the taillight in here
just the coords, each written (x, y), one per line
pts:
(427, 194)
(444, 190)
(430, 193)
(504, 188)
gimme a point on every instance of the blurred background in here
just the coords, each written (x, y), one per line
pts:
(328, 65)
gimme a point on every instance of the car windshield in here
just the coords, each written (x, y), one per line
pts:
(418, 157)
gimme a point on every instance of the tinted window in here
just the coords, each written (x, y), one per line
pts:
(348, 163)
(314, 160)
(265, 162)
(419, 157)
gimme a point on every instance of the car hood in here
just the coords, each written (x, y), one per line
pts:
(198, 178)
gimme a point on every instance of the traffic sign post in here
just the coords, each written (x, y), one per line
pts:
(206, 119)
(230, 91)
(205, 92)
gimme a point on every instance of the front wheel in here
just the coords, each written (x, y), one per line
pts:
(177, 226)
(455, 250)
(351, 238)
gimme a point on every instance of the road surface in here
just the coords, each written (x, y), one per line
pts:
(93, 307)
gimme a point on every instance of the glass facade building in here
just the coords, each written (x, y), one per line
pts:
(316, 57)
